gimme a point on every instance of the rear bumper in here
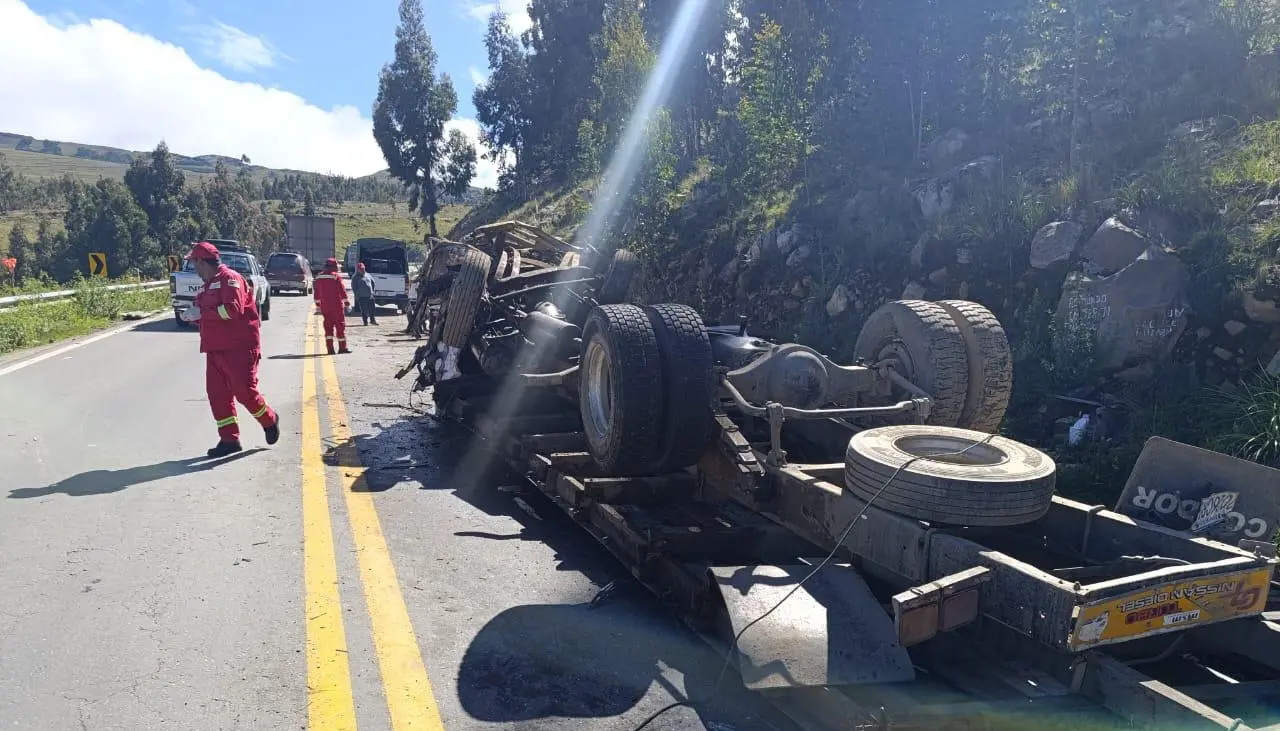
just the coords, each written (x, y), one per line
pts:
(297, 284)
(397, 299)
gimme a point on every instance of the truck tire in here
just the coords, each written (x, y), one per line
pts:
(914, 470)
(990, 365)
(931, 354)
(463, 301)
(620, 394)
(266, 309)
(177, 318)
(616, 285)
(688, 384)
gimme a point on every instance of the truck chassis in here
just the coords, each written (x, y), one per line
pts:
(827, 597)
(688, 536)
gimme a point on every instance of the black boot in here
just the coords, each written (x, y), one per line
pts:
(224, 449)
(273, 431)
(343, 351)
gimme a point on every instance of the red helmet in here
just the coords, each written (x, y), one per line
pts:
(331, 263)
(204, 251)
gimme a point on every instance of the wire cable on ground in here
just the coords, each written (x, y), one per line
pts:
(848, 529)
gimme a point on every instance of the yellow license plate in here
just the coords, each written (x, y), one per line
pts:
(1170, 607)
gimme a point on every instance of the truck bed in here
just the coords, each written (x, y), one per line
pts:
(1022, 665)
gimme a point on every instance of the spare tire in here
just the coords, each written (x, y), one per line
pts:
(620, 390)
(463, 301)
(990, 365)
(689, 384)
(616, 285)
(950, 476)
(925, 341)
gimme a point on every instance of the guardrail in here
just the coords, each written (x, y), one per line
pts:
(62, 294)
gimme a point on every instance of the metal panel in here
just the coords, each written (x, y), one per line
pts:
(831, 631)
(1170, 479)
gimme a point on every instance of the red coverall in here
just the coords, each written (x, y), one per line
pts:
(230, 336)
(331, 298)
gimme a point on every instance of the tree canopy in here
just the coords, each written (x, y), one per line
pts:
(409, 117)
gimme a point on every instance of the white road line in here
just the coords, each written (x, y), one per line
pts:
(68, 348)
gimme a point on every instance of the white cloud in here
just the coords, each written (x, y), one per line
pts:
(98, 82)
(235, 48)
(517, 12)
(478, 77)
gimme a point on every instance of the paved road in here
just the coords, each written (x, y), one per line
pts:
(352, 575)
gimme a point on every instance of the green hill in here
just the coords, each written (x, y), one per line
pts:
(32, 157)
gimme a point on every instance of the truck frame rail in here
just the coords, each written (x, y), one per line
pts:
(1001, 626)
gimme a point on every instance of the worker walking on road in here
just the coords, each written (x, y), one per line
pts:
(231, 339)
(362, 288)
(332, 300)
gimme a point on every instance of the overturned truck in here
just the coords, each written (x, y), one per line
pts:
(856, 539)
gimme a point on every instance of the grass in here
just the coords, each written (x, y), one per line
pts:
(91, 308)
(31, 221)
(42, 165)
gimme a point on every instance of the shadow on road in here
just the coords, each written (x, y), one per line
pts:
(102, 482)
(294, 356)
(573, 661)
(166, 324)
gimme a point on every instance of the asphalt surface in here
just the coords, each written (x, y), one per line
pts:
(310, 584)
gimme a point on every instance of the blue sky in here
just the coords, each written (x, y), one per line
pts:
(291, 82)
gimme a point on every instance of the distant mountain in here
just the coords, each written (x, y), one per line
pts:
(40, 158)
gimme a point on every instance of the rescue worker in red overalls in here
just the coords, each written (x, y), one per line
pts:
(230, 338)
(331, 300)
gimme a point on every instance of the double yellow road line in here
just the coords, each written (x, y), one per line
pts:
(330, 702)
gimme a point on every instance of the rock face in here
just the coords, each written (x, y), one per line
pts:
(839, 301)
(1112, 247)
(913, 291)
(935, 196)
(1054, 243)
(945, 150)
(1135, 315)
(1264, 311)
(802, 254)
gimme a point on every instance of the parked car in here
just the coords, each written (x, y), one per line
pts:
(186, 284)
(289, 270)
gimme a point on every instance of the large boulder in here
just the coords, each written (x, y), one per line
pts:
(839, 301)
(945, 150)
(1133, 316)
(936, 196)
(1054, 243)
(1260, 310)
(1112, 247)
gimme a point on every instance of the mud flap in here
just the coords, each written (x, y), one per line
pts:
(831, 631)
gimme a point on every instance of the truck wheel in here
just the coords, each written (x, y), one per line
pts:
(266, 309)
(177, 318)
(688, 384)
(990, 365)
(463, 301)
(616, 285)
(926, 343)
(620, 393)
(994, 482)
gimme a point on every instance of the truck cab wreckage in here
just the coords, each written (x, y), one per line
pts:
(856, 539)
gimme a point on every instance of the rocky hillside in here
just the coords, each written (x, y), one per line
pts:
(1121, 219)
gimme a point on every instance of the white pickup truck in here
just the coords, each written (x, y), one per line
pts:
(186, 284)
(387, 262)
